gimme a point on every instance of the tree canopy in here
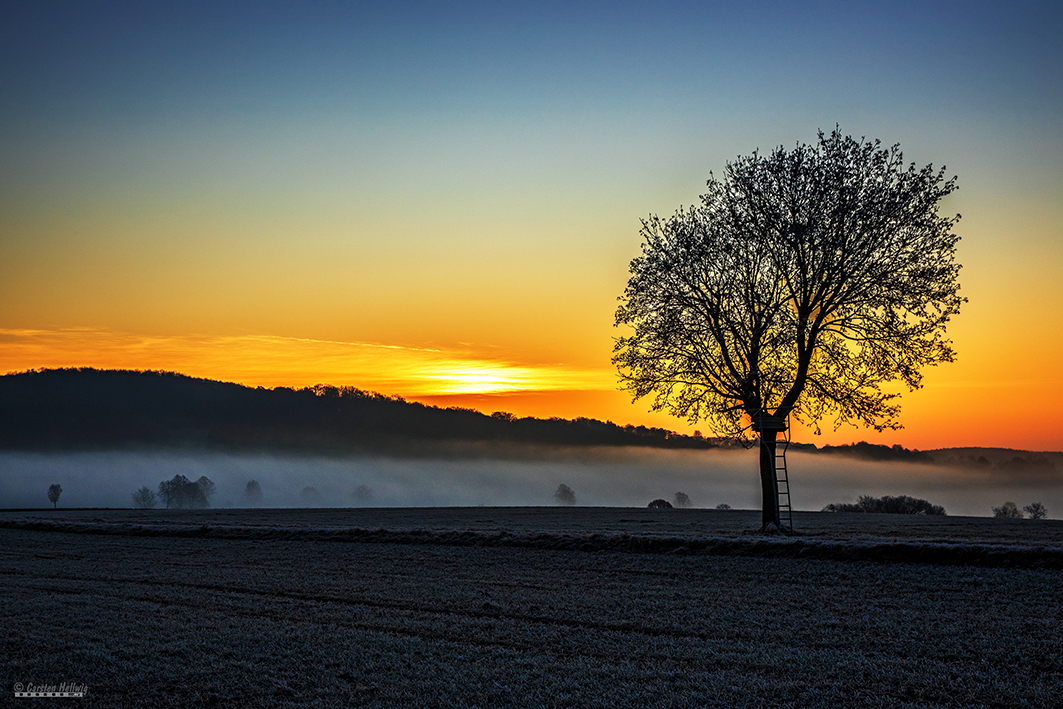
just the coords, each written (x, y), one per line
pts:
(803, 283)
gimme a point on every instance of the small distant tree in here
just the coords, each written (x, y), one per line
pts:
(166, 492)
(363, 494)
(723, 506)
(253, 492)
(1009, 510)
(54, 491)
(659, 504)
(144, 498)
(564, 495)
(207, 487)
(682, 500)
(1036, 510)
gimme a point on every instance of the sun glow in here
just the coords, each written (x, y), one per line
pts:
(482, 378)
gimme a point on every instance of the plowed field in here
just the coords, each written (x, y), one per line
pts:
(525, 608)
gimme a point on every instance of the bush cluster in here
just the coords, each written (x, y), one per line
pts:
(887, 504)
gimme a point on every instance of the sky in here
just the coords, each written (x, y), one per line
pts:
(440, 200)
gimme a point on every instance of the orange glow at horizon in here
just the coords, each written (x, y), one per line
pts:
(270, 361)
(451, 377)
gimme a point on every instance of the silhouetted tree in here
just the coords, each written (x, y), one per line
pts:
(1036, 510)
(253, 492)
(723, 506)
(54, 491)
(682, 500)
(660, 504)
(1009, 510)
(803, 282)
(564, 495)
(144, 498)
(166, 492)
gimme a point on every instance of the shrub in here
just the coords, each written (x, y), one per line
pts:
(887, 504)
(1036, 510)
(723, 506)
(681, 500)
(564, 495)
(659, 504)
(1009, 510)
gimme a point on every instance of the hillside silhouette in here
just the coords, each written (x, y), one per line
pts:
(94, 409)
(90, 409)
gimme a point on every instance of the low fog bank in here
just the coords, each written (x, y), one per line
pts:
(621, 477)
(609, 477)
(817, 480)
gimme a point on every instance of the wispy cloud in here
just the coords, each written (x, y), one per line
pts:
(269, 360)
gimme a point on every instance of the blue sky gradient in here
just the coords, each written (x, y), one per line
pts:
(470, 176)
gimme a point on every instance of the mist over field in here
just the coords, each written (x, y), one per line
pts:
(474, 475)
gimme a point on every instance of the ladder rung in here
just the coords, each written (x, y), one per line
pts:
(782, 483)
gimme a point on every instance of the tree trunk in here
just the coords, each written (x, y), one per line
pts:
(769, 486)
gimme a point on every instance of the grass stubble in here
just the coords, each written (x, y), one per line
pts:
(172, 620)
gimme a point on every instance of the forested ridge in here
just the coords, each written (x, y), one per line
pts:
(74, 409)
(94, 409)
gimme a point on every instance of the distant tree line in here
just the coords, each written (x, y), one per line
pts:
(1014, 464)
(102, 409)
(871, 451)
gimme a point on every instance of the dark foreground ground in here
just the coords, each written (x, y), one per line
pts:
(579, 608)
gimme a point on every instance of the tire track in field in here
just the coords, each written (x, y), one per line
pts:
(460, 637)
(493, 613)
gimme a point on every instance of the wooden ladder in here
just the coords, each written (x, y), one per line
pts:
(782, 483)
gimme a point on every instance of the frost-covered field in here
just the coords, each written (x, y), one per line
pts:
(438, 609)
